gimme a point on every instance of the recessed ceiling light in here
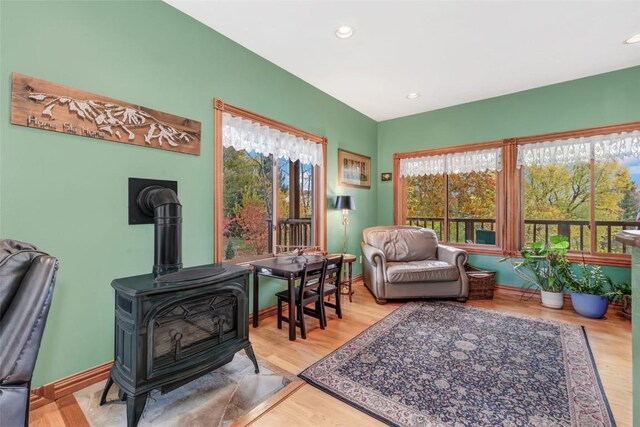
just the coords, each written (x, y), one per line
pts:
(633, 39)
(344, 32)
(412, 95)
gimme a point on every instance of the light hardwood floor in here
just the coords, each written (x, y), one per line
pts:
(610, 341)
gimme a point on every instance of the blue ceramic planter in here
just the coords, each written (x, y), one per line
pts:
(593, 306)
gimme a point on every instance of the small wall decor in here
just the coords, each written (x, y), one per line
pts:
(354, 170)
(385, 176)
(53, 107)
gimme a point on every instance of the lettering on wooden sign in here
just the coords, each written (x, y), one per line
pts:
(44, 105)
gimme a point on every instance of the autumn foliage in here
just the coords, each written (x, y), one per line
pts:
(471, 195)
(555, 192)
(248, 199)
(252, 219)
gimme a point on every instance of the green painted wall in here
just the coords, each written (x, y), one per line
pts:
(68, 194)
(593, 101)
(506, 276)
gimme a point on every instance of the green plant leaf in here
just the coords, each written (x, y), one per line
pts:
(557, 239)
(537, 245)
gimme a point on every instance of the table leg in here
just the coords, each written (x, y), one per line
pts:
(350, 283)
(291, 283)
(255, 297)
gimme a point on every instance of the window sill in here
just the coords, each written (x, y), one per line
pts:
(245, 262)
(478, 249)
(616, 260)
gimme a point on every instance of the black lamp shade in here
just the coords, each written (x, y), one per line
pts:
(345, 202)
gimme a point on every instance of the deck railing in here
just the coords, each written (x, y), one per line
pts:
(460, 229)
(291, 232)
(466, 230)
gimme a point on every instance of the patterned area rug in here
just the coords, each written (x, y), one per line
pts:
(215, 399)
(450, 364)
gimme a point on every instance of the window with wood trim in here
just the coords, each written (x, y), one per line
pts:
(454, 191)
(269, 186)
(584, 184)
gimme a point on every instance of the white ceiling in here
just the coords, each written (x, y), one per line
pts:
(450, 51)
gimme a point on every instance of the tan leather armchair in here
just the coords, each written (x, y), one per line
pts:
(404, 261)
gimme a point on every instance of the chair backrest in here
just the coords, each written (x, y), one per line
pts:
(403, 242)
(15, 260)
(29, 277)
(486, 237)
(312, 277)
(333, 275)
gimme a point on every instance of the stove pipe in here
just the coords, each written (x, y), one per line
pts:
(162, 203)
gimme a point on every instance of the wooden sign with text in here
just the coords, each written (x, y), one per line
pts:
(49, 106)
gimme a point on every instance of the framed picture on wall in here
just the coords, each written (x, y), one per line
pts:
(354, 170)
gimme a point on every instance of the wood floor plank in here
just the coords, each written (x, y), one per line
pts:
(271, 402)
(47, 416)
(309, 406)
(71, 411)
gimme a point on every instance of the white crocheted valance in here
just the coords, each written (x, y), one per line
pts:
(464, 162)
(616, 146)
(243, 134)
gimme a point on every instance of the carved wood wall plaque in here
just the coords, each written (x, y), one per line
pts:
(50, 106)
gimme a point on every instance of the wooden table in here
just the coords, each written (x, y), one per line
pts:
(288, 271)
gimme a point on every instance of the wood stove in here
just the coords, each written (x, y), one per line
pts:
(176, 324)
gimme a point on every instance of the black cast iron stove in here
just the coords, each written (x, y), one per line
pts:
(175, 324)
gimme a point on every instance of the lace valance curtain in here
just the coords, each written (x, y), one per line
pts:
(616, 146)
(465, 162)
(244, 134)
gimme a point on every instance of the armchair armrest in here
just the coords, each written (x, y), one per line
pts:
(374, 267)
(24, 322)
(459, 258)
(453, 256)
(374, 255)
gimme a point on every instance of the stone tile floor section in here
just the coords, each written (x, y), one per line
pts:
(215, 399)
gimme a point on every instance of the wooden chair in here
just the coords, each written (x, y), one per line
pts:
(309, 291)
(333, 279)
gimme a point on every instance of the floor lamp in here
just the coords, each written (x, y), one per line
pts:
(346, 203)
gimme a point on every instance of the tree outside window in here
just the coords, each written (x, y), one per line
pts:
(557, 200)
(618, 202)
(471, 208)
(425, 202)
(248, 196)
(248, 203)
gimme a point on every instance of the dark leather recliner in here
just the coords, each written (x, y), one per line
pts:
(27, 278)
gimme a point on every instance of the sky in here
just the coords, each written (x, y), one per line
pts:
(634, 169)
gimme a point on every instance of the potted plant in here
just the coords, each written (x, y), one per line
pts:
(622, 292)
(545, 266)
(589, 297)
